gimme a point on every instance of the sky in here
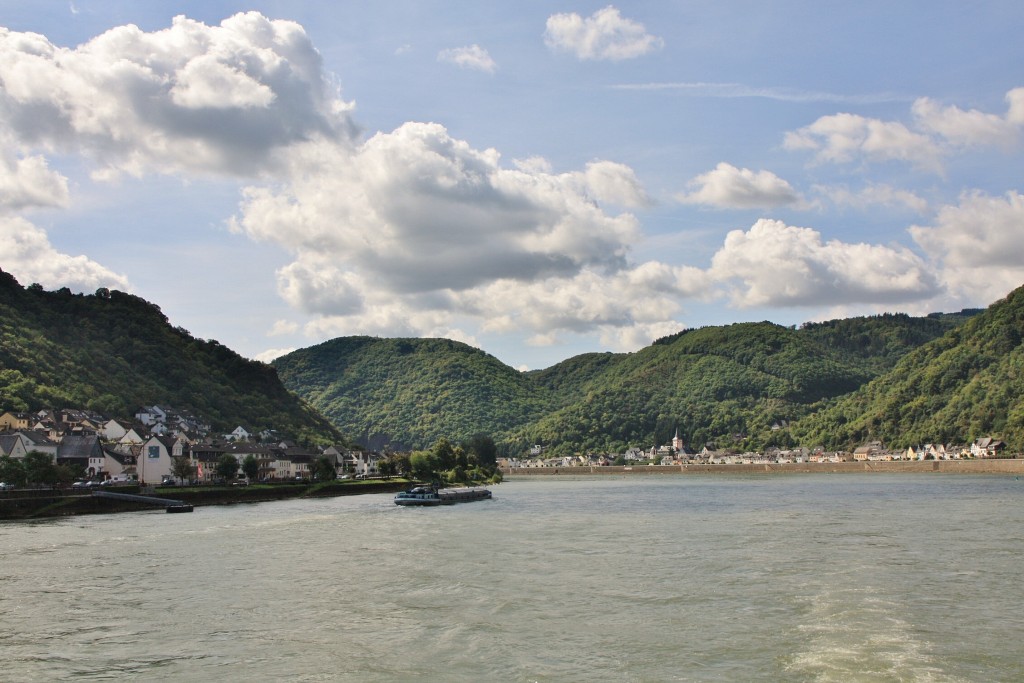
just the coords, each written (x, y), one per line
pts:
(536, 179)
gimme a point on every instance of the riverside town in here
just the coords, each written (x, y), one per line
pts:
(166, 446)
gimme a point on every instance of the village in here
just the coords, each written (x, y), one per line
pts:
(144, 451)
(677, 453)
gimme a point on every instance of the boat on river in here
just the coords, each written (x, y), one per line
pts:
(431, 495)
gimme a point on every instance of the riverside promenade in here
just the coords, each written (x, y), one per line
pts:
(997, 466)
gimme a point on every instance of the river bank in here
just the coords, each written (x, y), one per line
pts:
(28, 504)
(1000, 466)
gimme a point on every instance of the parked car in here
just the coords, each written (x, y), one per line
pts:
(4, 486)
(81, 484)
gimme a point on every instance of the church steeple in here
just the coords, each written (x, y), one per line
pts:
(677, 443)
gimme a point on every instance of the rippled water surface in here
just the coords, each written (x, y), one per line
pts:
(638, 578)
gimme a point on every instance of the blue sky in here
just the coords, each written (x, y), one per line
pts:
(537, 179)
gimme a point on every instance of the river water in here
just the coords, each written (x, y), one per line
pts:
(637, 578)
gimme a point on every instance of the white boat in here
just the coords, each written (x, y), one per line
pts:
(429, 495)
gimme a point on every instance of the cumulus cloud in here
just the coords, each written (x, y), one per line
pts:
(728, 187)
(416, 210)
(972, 128)
(271, 355)
(471, 57)
(774, 264)
(873, 194)
(188, 98)
(845, 138)
(936, 132)
(26, 253)
(604, 35)
(978, 244)
(28, 182)
(613, 183)
(416, 228)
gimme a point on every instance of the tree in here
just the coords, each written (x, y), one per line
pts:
(323, 469)
(227, 466)
(183, 469)
(484, 448)
(423, 465)
(251, 467)
(445, 454)
(39, 468)
(12, 471)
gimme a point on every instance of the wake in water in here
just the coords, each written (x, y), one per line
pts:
(853, 635)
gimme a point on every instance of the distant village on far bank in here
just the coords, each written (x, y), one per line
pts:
(677, 453)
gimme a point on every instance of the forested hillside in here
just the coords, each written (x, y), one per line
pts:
(113, 352)
(966, 385)
(728, 384)
(408, 393)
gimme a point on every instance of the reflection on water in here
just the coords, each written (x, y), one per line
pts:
(716, 578)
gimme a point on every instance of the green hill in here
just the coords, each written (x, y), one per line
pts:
(408, 393)
(113, 353)
(966, 385)
(727, 384)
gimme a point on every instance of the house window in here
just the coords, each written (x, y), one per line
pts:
(154, 452)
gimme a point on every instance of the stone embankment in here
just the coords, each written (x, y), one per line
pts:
(1000, 466)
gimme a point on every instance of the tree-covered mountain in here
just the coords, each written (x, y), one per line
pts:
(408, 393)
(966, 385)
(728, 384)
(113, 353)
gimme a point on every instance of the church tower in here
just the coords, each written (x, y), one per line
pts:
(677, 443)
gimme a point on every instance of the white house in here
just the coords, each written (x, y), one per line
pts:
(238, 434)
(112, 430)
(151, 415)
(154, 462)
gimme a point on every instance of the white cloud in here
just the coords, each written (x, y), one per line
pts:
(282, 327)
(873, 195)
(938, 131)
(728, 187)
(845, 138)
(979, 244)
(188, 98)
(972, 128)
(416, 210)
(27, 254)
(207, 83)
(28, 182)
(417, 228)
(270, 355)
(605, 35)
(774, 264)
(471, 57)
(614, 183)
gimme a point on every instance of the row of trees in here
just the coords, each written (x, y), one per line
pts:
(36, 469)
(474, 461)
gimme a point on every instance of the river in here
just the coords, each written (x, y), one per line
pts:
(854, 577)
